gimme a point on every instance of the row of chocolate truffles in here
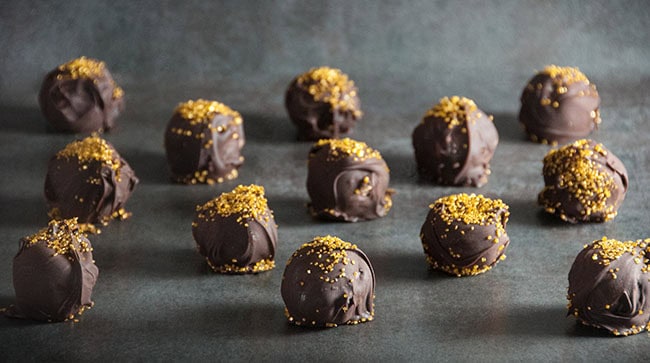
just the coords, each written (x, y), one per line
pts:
(558, 105)
(329, 282)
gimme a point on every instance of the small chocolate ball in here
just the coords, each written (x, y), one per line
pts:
(465, 235)
(323, 103)
(236, 232)
(54, 274)
(89, 180)
(348, 181)
(584, 181)
(203, 141)
(454, 143)
(559, 105)
(609, 286)
(81, 96)
(328, 282)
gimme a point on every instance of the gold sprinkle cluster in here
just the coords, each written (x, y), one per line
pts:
(344, 148)
(606, 250)
(202, 111)
(330, 251)
(455, 111)
(88, 68)
(63, 237)
(471, 209)
(92, 148)
(581, 176)
(333, 86)
(262, 265)
(564, 75)
(247, 202)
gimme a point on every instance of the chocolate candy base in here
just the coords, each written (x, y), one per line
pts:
(230, 247)
(317, 120)
(80, 105)
(203, 153)
(451, 156)
(462, 249)
(575, 116)
(338, 191)
(51, 288)
(93, 194)
(314, 299)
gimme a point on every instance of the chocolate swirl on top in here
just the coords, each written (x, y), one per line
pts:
(347, 180)
(454, 143)
(81, 96)
(609, 286)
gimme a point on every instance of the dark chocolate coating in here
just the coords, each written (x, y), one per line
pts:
(190, 161)
(92, 191)
(449, 156)
(80, 105)
(331, 185)
(52, 288)
(318, 119)
(463, 249)
(620, 304)
(559, 200)
(232, 247)
(313, 301)
(575, 116)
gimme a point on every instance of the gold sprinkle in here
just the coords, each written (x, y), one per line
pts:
(248, 202)
(455, 111)
(64, 237)
(202, 111)
(92, 148)
(333, 86)
(343, 148)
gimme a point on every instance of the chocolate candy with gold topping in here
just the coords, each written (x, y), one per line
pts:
(323, 103)
(89, 180)
(584, 181)
(236, 232)
(203, 141)
(454, 143)
(81, 96)
(54, 274)
(348, 181)
(328, 282)
(609, 286)
(465, 235)
(559, 105)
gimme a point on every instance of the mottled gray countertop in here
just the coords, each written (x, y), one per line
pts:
(156, 299)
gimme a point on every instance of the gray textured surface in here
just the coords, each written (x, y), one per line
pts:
(155, 298)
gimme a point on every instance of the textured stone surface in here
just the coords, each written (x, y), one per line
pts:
(156, 298)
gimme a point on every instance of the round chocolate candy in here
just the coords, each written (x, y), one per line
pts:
(559, 105)
(465, 235)
(81, 96)
(89, 180)
(323, 103)
(454, 143)
(348, 181)
(584, 181)
(328, 282)
(54, 274)
(609, 286)
(203, 141)
(236, 232)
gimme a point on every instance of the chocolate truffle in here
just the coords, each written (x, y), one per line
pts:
(323, 103)
(89, 180)
(584, 181)
(348, 181)
(454, 143)
(54, 274)
(203, 141)
(465, 235)
(559, 105)
(328, 282)
(81, 96)
(609, 286)
(236, 232)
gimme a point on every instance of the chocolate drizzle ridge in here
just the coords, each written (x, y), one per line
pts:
(53, 274)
